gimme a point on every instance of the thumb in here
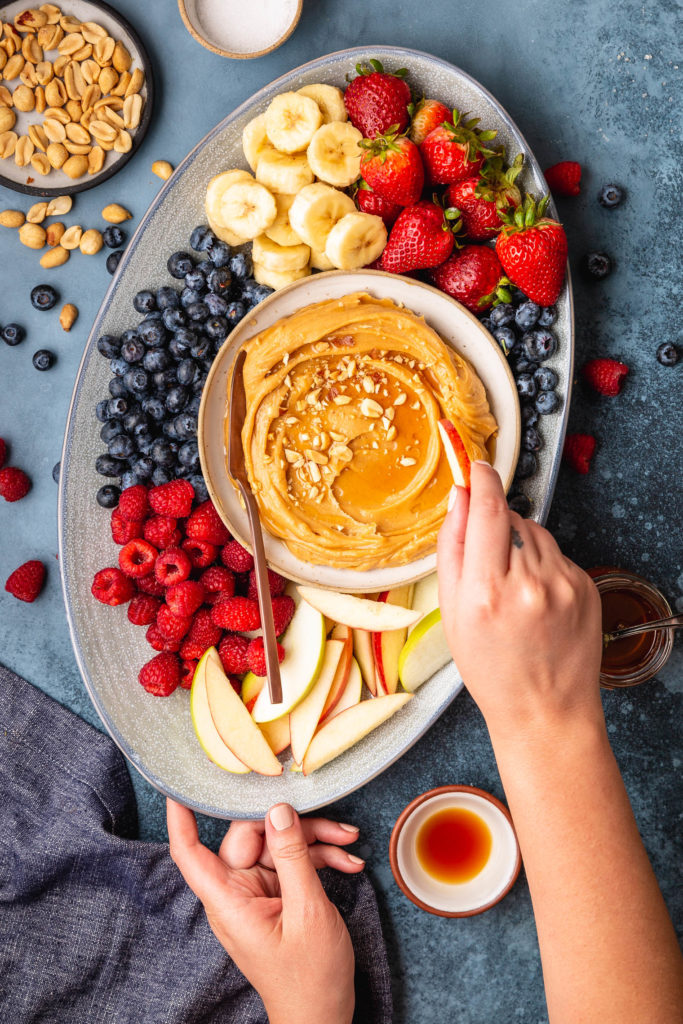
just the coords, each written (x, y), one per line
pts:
(291, 858)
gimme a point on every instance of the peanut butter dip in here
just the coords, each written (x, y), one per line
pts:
(340, 439)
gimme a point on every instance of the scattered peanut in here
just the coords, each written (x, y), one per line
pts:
(8, 143)
(54, 257)
(56, 154)
(91, 242)
(75, 166)
(24, 151)
(24, 99)
(115, 214)
(40, 164)
(71, 238)
(32, 235)
(161, 168)
(37, 213)
(59, 205)
(68, 316)
(95, 160)
(8, 119)
(54, 233)
(11, 218)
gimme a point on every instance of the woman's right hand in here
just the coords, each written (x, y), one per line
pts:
(522, 621)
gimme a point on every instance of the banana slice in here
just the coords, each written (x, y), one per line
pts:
(291, 121)
(255, 140)
(283, 173)
(247, 208)
(319, 260)
(281, 230)
(329, 99)
(334, 154)
(316, 210)
(216, 189)
(272, 256)
(278, 278)
(225, 236)
(356, 240)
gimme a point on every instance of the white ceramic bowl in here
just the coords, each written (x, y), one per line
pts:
(456, 326)
(234, 29)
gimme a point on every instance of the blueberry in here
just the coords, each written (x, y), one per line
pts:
(113, 260)
(111, 429)
(108, 496)
(136, 380)
(596, 265)
(163, 380)
(531, 440)
(201, 238)
(155, 314)
(143, 467)
(107, 466)
(186, 372)
(108, 346)
(235, 312)
(167, 298)
(241, 265)
(260, 292)
(200, 491)
(155, 359)
(197, 311)
(118, 367)
(517, 296)
(526, 466)
(526, 315)
(668, 354)
(117, 389)
(526, 385)
(185, 425)
(12, 334)
(219, 280)
(219, 253)
(162, 453)
(144, 440)
(159, 477)
(199, 382)
(174, 318)
(201, 349)
(55, 471)
(176, 399)
(43, 296)
(196, 279)
(524, 365)
(101, 410)
(546, 379)
(547, 316)
(216, 304)
(188, 455)
(547, 402)
(217, 328)
(610, 196)
(116, 408)
(182, 341)
(192, 406)
(520, 504)
(43, 359)
(133, 419)
(129, 479)
(179, 264)
(506, 338)
(133, 350)
(113, 236)
(529, 414)
(502, 314)
(153, 333)
(121, 447)
(189, 296)
(145, 302)
(485, 321)
(539, 344)
(129, 335)
(169, 430)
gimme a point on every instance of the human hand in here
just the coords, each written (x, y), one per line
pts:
(522, 621)
(267, 908)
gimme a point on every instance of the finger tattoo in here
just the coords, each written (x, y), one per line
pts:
(515, 538)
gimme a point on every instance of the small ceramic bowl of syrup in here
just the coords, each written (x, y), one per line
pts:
(454, 851)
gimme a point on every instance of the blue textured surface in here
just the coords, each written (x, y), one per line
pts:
(589, 81)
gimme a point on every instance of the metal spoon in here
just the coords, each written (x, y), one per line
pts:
(672, 622)
(237, 470)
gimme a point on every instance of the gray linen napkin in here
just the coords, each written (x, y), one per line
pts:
(96, 926)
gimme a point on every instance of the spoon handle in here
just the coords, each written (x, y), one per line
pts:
(646, 627)
(265, 606)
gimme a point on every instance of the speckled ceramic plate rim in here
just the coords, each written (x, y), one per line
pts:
(353, 54)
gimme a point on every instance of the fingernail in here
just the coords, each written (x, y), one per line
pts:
(348, 828)
(482, 462)
(356, 860)
(281, 817)
(452, 498)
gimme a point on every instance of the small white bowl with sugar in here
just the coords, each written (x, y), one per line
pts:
(241, 31)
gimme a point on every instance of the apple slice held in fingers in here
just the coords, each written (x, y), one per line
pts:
(303, 720)
(207, 734)
(358, 612)
(344, 730)
(458, 459)
(235, 725)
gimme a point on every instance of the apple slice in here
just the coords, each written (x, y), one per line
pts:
(304, 719)
(304, 644)
(425, 596)
(207, 734)
(351, 694)
(235, 725)
(387, 646)
(424, 653)
(276, 734)
(358, 612)
(458, 459)
(347, 728)
(345, 634)
(362, 652)
(251, 687)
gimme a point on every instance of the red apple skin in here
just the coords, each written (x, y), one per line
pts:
(345, 634)
(462, 458)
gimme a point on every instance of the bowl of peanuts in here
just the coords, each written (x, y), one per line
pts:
(76, 94)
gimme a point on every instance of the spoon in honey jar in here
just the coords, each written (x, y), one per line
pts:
(672, 622)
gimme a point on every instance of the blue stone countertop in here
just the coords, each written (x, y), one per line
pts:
(596, 82)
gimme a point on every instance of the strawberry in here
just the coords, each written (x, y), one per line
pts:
(283, 611)
(161, 675)
(172, 566)
(276, 584)
(187, 671)
(205, 524)
(370, 202)
(605, 375)
(172, 627)
(137, 558)
(236, 557)
(256, 655)
(478, 199)
(14, 484)
(143, 609)
(392, 167)
(123, 530)
(237, 614)
(172, 499)
(233, 653)
(200, 553)
(564, 179)
(26, 582)
(110, 586)
(185, 598)
(578, 451)
(377, 99)
(425, 117)
(158, 641)
(421, 237)
(133, 504)
(455, 150)
(473, 276)
(160, 531)
(3, 451)
(533, 251)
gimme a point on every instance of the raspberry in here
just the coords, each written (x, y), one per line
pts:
(217, 582)
(276, 584)
(283, 610)
(172, 566)
(237, 614)
(256, 656)
(172, 499)
(3, 452)
(605, 375)
(161, 675)
(150, 585)
(159, 642)
(200, 553)
(14, 484)
(203, 631)
(564, 179)
(578, 451)
(187, 670)
(133, 503)
(143, 609)
(123, 530)
(185, 598)
(172, 627)
(110, 586)
(206, 524)
(26, 582)
(233, 653)
(137, 558)
(160, 531)
(236, 557)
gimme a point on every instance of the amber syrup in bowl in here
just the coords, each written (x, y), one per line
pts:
(453, 845)
(630, 600)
